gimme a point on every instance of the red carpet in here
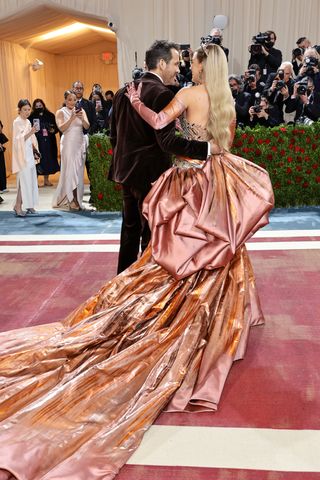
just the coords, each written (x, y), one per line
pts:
(276, 386)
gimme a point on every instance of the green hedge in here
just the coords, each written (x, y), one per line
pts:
(105, 195)
(289, 153)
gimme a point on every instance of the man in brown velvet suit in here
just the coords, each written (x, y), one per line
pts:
(141, 154)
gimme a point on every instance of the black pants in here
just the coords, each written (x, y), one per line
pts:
(3, 173)
(135, 232)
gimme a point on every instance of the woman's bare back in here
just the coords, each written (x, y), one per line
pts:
(196, 100)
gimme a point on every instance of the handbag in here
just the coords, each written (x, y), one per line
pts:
(37, 158)
(36, 155)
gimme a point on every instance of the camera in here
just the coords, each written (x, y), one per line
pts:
(310, 62)
(185, 53)
(252, 76)
(297, 52)
(112, 25)
(210, 39)
(137, 73)
(257, 101)
(304, 120)
(184, 46)
(260, 40)
(317, 47)
(280, 85)
(302, 86)
(280, 78)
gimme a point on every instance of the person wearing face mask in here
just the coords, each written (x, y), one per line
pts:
(305, 101)
(46, 136)
(267, 57)
(242, 100)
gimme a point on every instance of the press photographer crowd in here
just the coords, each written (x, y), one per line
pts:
(271, 91)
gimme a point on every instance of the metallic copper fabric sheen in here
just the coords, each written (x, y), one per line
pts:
(77, 396)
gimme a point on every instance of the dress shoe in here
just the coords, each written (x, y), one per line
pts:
(74, 206)
(31, 210)
(19, 213)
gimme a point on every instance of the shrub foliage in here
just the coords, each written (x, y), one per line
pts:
(289, 153)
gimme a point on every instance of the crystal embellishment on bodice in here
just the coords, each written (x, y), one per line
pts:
(191, 131)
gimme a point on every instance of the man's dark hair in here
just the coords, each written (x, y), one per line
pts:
(300, 40)
(160, 49)
(109, 92)
(255, 67)
(270, 32)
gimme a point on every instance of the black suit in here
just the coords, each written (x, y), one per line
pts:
(268, 63)
(242, 105)
(88, 107)
(140, 156)
(276, 98)
(310, 110)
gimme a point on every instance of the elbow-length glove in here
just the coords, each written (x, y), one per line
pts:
(157, 120)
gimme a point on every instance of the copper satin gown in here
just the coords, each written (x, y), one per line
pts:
(77, 396)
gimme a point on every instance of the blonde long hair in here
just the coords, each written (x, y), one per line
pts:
(222, 110)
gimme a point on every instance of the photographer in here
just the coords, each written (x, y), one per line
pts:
(310, 67)
(252, 81)
(279, 87)
(297, 59)
(297, 53)
(264, 54)
(261, 114)
(185, 67)
(216, 34)
(241, 100)
(304, 101)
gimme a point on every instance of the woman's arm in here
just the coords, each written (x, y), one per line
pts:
(83, 116)
(61, 123)
(32, 131)
(157, 120)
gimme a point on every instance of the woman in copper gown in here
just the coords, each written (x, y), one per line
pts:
(77, 396)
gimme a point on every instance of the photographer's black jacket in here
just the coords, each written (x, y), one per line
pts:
(269, 62)
(242, 105)
(276, 98)
(310, 110)
(315, 77)
(263, 122)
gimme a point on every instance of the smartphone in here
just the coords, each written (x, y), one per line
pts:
(98, 103)
(77, 106)
(185, 46)
(36, 124)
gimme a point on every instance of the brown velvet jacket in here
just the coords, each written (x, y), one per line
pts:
(140, 153)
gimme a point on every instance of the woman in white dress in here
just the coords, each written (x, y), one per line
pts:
(71, 120)
(23, 163)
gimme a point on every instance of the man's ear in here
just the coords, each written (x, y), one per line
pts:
(162, 64)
